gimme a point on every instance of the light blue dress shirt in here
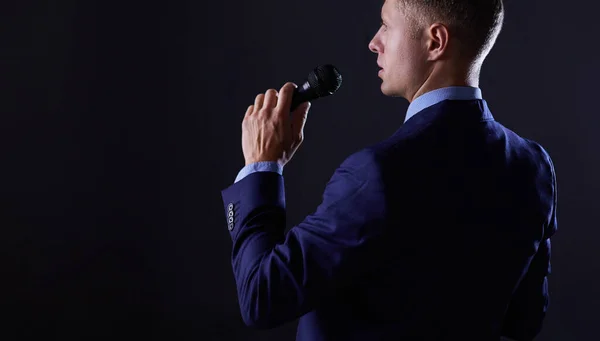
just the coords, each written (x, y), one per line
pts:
(424, 101)
(456, 93)
(265, 166)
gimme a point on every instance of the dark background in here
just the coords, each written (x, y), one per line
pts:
(120, 125)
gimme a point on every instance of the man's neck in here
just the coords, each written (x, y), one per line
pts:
(438, 80)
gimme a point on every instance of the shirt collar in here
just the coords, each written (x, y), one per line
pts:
(433, 97)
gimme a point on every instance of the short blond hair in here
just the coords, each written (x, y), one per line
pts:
(476, 23)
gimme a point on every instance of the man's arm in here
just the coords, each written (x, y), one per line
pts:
(527, 310)
(281, 277)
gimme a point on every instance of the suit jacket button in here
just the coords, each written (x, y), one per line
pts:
(230, 227)
(230, 207)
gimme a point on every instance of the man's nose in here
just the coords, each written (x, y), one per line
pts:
(373, 46)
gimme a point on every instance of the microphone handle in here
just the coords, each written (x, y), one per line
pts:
(303, 93)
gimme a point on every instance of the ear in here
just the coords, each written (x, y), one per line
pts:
(437, 44)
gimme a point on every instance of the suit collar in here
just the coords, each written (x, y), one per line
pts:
(433, 97)
(457, 111)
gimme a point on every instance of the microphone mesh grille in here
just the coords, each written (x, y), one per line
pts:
(325, 80)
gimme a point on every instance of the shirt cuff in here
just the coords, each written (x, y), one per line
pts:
(263, 166)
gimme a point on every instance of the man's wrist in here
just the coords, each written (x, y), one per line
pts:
(259, 166)
(253, 161)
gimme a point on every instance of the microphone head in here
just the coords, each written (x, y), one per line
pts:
(324, 80)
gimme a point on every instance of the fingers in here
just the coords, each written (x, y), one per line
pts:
(285, 97)
(258, 101)
(270, 100)
(299, 117)
(281, 101)
(266, 100)
(249, 111)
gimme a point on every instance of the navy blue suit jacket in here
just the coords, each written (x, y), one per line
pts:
(440, 232)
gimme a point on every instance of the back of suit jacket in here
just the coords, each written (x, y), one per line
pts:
(460, 248)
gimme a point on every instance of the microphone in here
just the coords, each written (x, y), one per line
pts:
(323, 81)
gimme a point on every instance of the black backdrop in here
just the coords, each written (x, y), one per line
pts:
(120, 125)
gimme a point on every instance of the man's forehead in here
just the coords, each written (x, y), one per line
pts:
(388, 5)
(383, 10)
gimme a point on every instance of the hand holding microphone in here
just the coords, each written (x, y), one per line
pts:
(269, 131)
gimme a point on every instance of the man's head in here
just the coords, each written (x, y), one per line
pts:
(427, 44)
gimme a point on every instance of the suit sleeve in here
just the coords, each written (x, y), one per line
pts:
(527, 309)
(281, 277)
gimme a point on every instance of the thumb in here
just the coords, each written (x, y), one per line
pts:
(299, 117)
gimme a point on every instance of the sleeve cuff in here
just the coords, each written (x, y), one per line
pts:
(263, 166)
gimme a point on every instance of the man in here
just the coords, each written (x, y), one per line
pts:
(439, 232)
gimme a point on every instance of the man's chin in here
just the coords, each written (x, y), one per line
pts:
(390, 91)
